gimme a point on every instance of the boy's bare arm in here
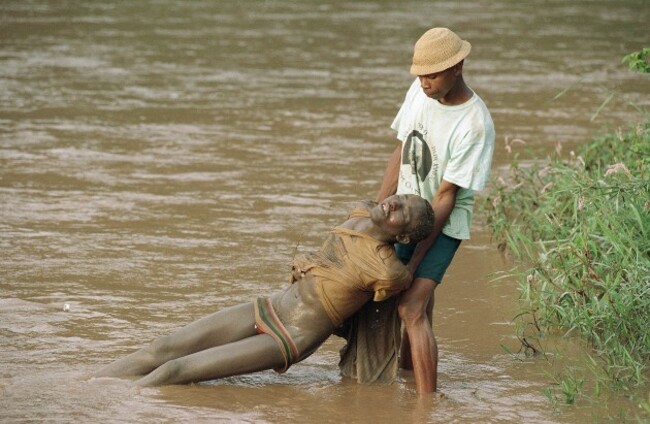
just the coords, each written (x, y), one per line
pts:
(391, 175)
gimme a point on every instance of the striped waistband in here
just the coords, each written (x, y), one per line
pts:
(267, 322)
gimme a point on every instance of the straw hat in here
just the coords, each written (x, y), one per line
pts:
(437, 50)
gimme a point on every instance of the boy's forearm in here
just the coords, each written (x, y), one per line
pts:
(443, 203)
(389, 183)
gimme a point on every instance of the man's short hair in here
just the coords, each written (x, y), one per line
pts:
(424, 227)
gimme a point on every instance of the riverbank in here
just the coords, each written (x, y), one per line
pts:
(580, 222)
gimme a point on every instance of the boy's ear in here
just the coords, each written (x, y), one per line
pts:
(403, 239)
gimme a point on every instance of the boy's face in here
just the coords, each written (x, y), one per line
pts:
(439, 84)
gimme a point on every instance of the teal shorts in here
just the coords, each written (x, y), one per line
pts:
(437, 259)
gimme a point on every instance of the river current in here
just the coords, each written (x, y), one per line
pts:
(162, 159)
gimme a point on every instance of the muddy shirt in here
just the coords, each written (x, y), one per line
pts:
(350, 269)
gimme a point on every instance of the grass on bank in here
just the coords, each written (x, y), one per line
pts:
(582, 225)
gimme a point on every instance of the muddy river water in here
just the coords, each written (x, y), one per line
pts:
(163, 159)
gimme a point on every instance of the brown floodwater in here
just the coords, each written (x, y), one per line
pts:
(163, 159)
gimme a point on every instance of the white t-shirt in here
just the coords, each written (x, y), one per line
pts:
(450, 142)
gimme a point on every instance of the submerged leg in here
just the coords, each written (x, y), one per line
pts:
(413, 310)
(405, 357)
(252, 354)
(225, 326)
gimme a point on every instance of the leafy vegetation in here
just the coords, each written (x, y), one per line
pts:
(639, 61)
(582, 225)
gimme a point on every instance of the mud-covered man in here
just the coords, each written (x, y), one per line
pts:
(356, 263)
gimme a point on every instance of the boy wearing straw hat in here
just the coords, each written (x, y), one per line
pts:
(444, 153)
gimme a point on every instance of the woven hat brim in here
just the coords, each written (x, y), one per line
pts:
(466, 47)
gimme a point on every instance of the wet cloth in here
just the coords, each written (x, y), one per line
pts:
(373, 339)
(350, 269)
(267, 322)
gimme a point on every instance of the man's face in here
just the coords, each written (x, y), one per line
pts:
(438, 85)
(397, 213)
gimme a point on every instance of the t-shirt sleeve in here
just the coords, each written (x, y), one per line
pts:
(471, 157)
(399, 123)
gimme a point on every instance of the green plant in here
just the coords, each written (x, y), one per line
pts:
(566, 389)
(639, 61)
(582, 225)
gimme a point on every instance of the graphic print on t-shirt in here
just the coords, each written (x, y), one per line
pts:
(418, 154)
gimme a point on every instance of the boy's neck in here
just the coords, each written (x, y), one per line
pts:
(459, 94)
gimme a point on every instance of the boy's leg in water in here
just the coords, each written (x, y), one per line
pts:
(405, 358)
(413, 310)
(225, 326)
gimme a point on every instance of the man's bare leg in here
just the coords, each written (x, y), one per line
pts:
(252, 354)
(225, 326)
(414, 310)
